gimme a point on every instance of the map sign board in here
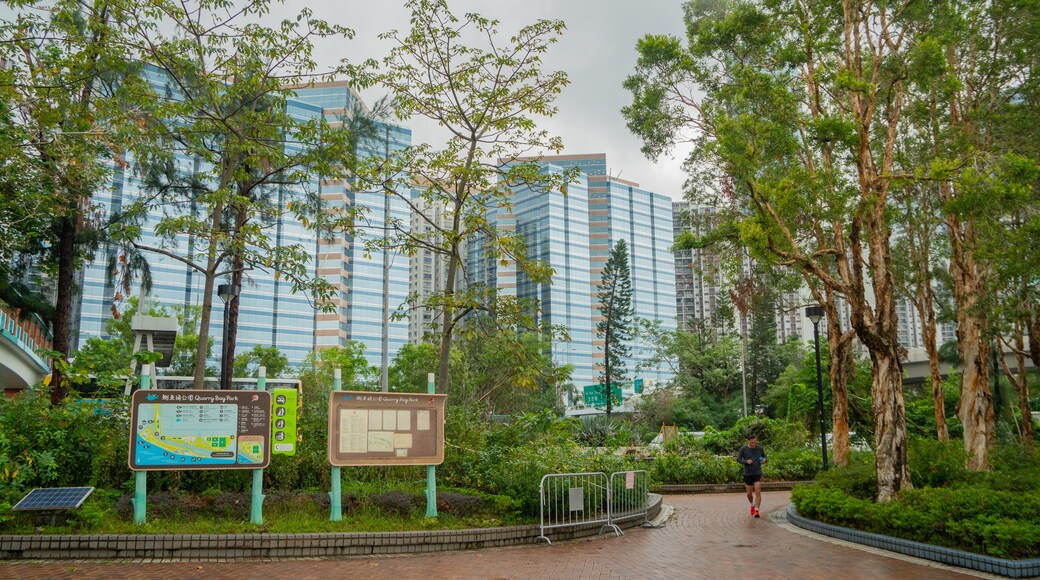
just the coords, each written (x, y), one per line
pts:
(188, 429)
(283, 421)
(367, 428)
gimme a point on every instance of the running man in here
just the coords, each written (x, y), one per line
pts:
(752, 457)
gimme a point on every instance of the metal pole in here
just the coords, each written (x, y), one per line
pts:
(141, 477)
(431, 471)
(819, 394)
(743, 360)
(224, 379)
(336, 495)
(384, 371)
(256, 505)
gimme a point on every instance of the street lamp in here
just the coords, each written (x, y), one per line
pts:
(227, 293)
(815, 314)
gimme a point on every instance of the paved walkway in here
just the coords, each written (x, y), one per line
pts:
(709, 536)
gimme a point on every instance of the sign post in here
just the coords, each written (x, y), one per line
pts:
(431, 471)
(141, 477)
(375, 428)
(256, 504)
(335, 495)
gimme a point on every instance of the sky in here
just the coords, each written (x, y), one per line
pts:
(597, 51)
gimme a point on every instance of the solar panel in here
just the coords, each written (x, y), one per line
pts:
(54, 498)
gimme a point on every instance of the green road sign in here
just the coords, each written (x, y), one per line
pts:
(594, 396)
(284, 405)
(638, 385)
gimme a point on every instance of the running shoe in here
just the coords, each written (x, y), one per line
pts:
(755, 510)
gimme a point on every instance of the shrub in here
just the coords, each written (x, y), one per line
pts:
(858, 479)
(396, 502)
(458, 504)
(935, 464)
(230, 504)
(975, 518)
(773, 434)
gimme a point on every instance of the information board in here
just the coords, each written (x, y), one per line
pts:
(283, 421)
(368, 428)
(186, 429)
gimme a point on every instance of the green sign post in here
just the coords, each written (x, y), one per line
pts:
(284, 406)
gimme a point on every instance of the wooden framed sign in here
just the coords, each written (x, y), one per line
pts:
(367, 428)
(204, 429)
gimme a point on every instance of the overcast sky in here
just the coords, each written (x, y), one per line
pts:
(597, 51)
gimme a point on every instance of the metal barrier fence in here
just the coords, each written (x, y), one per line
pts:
(629, 492)
(573, 499)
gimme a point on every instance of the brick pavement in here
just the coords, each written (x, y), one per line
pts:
(709, 536)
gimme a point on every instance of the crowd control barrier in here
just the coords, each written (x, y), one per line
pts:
(576, 499)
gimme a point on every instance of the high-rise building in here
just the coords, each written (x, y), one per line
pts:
(428, 270)
(621, 210)
(349, 260)
(270, 313)
(573, 234)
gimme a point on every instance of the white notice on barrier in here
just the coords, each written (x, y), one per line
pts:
(577, 499)
(630, 480)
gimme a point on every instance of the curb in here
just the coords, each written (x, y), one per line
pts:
(259, 546)
(1010, 568)
(723, 487)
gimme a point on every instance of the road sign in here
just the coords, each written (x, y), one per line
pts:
(283, 421)
(186, 429)
(367, 428)
(638, 385)
(595, 397)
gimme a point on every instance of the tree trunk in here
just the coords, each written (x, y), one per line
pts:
(1021, 383)
(63, 303)
(976, 406)
(840, 366)
(227, 359)
(926, 310)
(207, 300)
(444, 363)
(893, 470)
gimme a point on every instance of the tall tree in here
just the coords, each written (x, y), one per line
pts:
(72, 93)
(615, 325)
(487, 93)
(798, 106)
(225, 80)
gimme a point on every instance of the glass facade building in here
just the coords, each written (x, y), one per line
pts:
(270, 313)
(573, 233)
(620, 209)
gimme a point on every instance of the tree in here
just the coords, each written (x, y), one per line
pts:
(504, 371)
(73, 98)
(795, 111)
(226, 79)
(411, 366)
(615, 310)
(486, 95)
(248, 364)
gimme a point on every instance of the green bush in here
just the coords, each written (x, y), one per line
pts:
(858, 479)
(936, 464)
(975, 518)
(773, 434)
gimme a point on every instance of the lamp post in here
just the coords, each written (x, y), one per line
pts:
(815, 314)
(227, 293)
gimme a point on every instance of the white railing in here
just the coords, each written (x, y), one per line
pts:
(629, 496)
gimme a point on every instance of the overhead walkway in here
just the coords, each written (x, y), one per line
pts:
(20, 339)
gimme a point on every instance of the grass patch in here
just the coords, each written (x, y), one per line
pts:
(109, 512)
